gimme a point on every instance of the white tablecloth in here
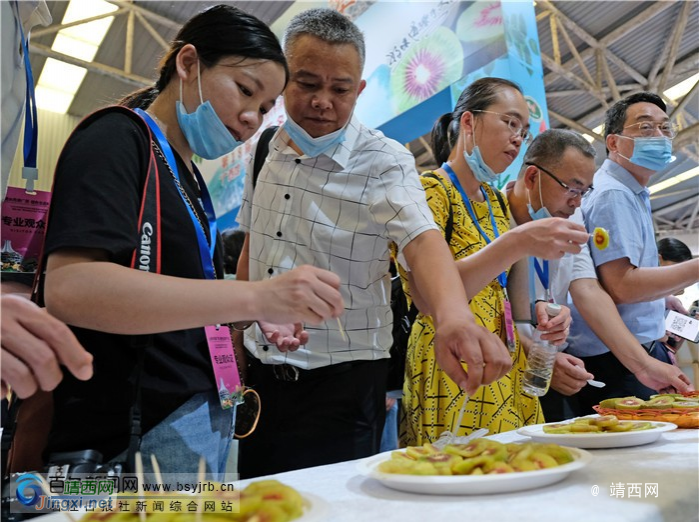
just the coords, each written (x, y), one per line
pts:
(672, 462)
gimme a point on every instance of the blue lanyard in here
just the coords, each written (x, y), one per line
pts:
(206, 248)
(542, 272)
(31, 129)
(502, 278)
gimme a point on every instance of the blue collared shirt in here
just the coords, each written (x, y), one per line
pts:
(620, 204)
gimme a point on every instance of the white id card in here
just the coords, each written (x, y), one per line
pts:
(682, 325)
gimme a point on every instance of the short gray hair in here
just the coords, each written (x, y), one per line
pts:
(327, 25)
(548, 148)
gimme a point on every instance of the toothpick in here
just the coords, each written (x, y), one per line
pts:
(156, 471)
(200, 479)
(139, 477)
(47, 492)
(342, 330)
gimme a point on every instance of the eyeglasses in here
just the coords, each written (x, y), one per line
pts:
(648, 128)
(571, 192)
(515, 125)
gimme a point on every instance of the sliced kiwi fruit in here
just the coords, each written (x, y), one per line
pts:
(628, 403)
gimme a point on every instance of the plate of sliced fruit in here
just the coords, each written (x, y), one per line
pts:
(480, 467)
(595, 431)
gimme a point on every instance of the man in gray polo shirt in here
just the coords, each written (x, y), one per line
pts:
(639, 137)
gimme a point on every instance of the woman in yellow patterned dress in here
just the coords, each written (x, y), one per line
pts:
(491, 112)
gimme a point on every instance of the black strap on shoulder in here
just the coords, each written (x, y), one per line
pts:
(498, 195)
(449, 227)
(261, 152)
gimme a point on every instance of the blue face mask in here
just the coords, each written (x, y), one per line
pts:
(650, 153)
(543, 212)
(206, 134)
(481, 171)
(310, 146)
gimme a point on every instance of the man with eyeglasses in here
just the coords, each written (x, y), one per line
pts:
(638, 136)
(555, 179)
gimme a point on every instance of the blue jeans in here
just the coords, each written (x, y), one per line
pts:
(389, 437)
(198, 428)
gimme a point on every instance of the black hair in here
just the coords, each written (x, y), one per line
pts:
(232, 246)
(616, 114)
(218, 32)
(478, 96)
(673, 250)
(548, 148)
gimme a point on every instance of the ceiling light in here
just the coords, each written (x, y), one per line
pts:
(596, 130)
(60, 81)
(677, 91)
(674, 180)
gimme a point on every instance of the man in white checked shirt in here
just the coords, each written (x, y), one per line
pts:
(334, 194)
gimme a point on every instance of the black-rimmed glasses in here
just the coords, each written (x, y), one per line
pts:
(571, 192)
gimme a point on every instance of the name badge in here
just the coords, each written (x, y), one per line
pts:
(230, 391)
(509, 325)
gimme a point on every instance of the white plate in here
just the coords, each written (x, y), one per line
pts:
(468, 484)
(599, 440)
(315, 510)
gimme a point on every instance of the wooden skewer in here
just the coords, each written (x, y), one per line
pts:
(200, 479)
(47, 492)
(139, 477)
(342, 330)
(156, 471)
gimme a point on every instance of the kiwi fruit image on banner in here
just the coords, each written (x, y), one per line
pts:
(428, 67)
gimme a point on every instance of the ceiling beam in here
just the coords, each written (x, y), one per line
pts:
(106, 70)
(59, 27)
(170, 24)
(688, 136)
(674, 48)
(647, 14)
(604, 90)
(155, 34)
(575, 125)
(573, 78)
(675, 206)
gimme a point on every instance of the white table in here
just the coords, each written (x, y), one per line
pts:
(672, 462)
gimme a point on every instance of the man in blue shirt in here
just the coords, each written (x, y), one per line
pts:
(639, 137)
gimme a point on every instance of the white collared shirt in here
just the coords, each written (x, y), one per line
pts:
(338, 211)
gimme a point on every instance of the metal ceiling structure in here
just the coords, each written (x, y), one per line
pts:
(593, 53)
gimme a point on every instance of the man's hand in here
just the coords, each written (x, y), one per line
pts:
(673, 303)
(286, 337)
(34, 344)
(569, 374)
(556, 328)
(486, 356)
(663, 377)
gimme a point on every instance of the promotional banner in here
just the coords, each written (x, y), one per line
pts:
(420, 55)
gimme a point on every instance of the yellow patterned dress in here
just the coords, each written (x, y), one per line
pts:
(432, 401)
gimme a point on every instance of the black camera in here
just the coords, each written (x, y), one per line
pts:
(61, 467)
(85, 462)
